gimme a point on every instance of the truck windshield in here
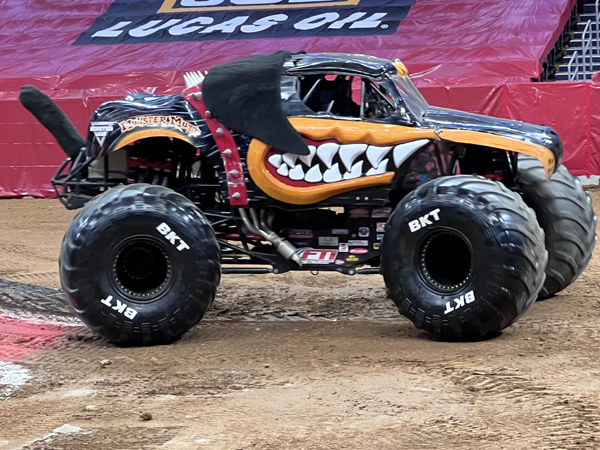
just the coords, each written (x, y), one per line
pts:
(413, 99)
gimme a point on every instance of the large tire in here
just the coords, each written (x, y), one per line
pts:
(564, 210)
(463, 257)
(140, 265)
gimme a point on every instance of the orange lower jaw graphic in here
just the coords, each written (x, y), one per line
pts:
(344, 156)
(306, 184)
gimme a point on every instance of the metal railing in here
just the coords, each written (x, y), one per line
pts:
(581, 66)
(586, 47)
(573, 73)
(597, 23)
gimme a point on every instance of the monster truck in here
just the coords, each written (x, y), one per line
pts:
(314, 162)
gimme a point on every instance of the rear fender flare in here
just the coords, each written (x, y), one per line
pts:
(541, 153)
(137, 134)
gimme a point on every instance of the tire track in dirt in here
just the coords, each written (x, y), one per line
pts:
(557, 409)
(561, 426)
(17, 296)
(26, 269)
(40, 278)
(106, 438)
(573, 423)
(552, 334)
(233, 304)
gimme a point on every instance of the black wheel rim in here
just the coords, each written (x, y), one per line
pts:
(446, 261)
(141, 269)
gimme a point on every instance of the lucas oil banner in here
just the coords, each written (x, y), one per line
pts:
(139, 22)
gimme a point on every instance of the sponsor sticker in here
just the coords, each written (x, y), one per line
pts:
(340, 262)
(343, 248)
(329, 241)
(364, 232)
(376, 246)
(340, 231)
(101, 130)
(152, 21)
(359, 251)
(380, 237)
(356, 213)
(358, 243)
(380, 227)
(381, 213)
(300, 234)
(352, 258)
(317, 256)
(301, 244)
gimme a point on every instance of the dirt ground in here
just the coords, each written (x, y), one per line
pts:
(298, 361)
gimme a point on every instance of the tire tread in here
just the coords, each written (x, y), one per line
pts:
(132, 198)
(492, 199)
(564, 210)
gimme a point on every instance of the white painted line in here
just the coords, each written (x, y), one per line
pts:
(12, 376)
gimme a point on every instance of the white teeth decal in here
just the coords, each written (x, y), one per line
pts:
(356, 171)
(376, 154)
(326, 152)
(313, 175)
(380, 168)
(275, 160)
(348, 153)
(403, 151)
(290, 159)
(299, 168)
(283, 170)
(297, 173)
(307, 159)
(332, 175)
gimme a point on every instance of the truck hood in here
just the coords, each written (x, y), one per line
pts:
(448, 119)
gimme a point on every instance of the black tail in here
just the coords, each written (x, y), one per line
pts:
(51, 116)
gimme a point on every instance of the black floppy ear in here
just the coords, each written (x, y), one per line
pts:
(52, 118)
(245, 95)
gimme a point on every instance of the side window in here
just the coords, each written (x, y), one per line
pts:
(377, 102)
(331, 94)
(346, 96)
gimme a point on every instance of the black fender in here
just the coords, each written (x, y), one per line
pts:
(118, 123)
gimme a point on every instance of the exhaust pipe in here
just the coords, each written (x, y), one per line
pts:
(54, 120)
(285, 248)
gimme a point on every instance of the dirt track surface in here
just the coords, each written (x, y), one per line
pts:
(297, 362)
